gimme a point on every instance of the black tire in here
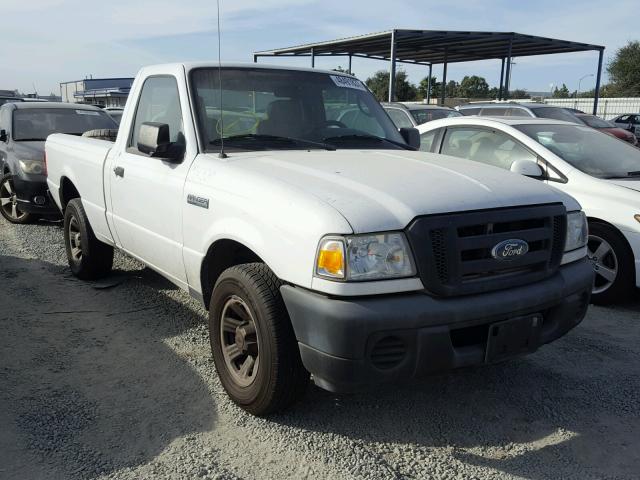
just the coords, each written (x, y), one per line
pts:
(10, 211)
(109, 134)
(95, 258)
(621, 288)
(279, 378)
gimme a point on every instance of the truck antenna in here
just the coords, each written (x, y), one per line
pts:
(221, 154)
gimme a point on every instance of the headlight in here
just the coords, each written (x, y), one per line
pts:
(365, 257)
(577, 231)
(35, 167)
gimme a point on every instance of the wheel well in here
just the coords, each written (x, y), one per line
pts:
(68, 192)
(604, 222)
(221, 255)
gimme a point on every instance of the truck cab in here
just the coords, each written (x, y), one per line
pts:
(309, 226)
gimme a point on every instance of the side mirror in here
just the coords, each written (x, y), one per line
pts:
(411, 136)
(527, 168)
(3, 136)
(153, 139)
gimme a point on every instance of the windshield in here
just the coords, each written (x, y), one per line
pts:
(588, 150)
(595, 122)
(555, 113)
(36, 124)
(264, 109)
(426, 115)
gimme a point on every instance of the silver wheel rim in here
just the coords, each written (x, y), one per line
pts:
(604, 261)
(75, 239)
(9, 201)
(239, 341)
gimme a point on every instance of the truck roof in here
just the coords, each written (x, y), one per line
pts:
(188, 66)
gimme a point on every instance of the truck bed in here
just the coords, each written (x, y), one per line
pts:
(80, 160)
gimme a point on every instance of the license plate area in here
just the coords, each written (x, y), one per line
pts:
(513, 337)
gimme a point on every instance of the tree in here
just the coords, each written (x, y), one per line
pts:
(379, 85)
(452, 89)
(424, 84)
(624, 70)
(519, 93)
(562, 92)
(473, 87)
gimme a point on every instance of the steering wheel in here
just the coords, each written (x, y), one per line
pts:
(334, 123)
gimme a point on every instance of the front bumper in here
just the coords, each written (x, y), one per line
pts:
(341, 339)
(33, 197)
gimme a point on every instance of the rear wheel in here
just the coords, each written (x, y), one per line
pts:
(9, 202)
(613, 262)
(89, 258)
(254, 348)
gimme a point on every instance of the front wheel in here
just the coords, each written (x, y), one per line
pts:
(253, 344)
(9, 202)
(613, 262)
(89, 258)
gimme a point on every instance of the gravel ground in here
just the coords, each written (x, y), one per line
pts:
(115, 380)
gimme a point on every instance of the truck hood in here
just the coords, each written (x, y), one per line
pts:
(29, 150)
(630, 184)
(377, 190)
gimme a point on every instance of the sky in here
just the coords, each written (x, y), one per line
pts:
(45, 42)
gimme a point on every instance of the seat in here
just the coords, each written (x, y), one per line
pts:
(485, 152)
(285, 118)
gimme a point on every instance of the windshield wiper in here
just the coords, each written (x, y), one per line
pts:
(276, 138)
(360, 136)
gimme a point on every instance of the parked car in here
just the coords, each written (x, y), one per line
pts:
(319, 245)
(24, 127)
(608, 127)
(414, 114)
(629, 122)
(602, 173)
(512, 109)
(115, 113)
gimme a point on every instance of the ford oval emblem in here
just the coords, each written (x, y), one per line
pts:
(510, 249)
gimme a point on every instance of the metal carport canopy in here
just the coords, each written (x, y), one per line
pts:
(432, 47)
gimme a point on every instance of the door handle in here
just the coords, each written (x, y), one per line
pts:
(119, 171)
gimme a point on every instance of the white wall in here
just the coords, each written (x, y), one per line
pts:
(608, 108)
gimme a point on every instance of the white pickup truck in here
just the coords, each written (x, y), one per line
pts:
(318, 239)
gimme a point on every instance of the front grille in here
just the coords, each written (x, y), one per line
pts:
(388, 352)
(454, 251)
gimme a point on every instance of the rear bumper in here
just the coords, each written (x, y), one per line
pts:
(341, 340)
(33, 197)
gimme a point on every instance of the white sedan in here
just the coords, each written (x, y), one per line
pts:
(600, 171)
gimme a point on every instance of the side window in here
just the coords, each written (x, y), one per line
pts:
(399, 117)
(159, 102)
(470, 111)
(426, 140)
(485, 146)
(623, 118)
(517, 112)
(494, 112)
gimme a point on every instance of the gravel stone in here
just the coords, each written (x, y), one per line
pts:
(114, 380)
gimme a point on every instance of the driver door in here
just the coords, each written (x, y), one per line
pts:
(147, 192)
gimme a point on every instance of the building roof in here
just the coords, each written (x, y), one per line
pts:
(435, 46)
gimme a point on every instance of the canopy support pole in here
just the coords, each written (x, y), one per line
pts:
(443, 90)
(429, 84)
(596, 96)
(501, 80)
(392, 70)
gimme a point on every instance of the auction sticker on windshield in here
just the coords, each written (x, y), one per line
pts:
(348, 82)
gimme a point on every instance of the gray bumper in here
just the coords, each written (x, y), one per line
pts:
(341, 339)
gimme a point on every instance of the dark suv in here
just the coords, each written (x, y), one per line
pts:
(24, 127)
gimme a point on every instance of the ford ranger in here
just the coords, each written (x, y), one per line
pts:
(321, 243)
